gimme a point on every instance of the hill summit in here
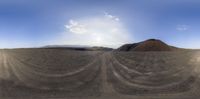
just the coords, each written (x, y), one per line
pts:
(148, 45)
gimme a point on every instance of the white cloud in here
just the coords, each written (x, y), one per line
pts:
(76, 27)
(105, 30)
(106, 14)
(182, 27)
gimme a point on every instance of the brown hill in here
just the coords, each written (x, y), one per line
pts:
(127, 47)
(152, 45)
(148, 45)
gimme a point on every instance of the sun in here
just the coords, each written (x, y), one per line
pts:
(98, 41)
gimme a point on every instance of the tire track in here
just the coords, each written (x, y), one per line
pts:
(4, 66)
(35, 79)
(128, 82)
(28, 66)
(107, 87)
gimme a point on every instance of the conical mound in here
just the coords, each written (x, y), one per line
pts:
(152, 45)
(127, 47)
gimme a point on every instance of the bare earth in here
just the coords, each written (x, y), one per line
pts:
(64, 74)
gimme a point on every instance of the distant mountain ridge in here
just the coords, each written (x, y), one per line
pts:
(78, 47)
(148, 45)
(74, 46)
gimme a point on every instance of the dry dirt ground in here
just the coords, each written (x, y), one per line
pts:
(64, 74)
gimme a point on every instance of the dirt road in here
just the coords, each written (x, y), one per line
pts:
(106, 87)
(4, 68)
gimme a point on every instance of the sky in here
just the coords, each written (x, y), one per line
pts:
(109, 23)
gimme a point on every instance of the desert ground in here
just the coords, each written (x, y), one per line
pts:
(68, 74)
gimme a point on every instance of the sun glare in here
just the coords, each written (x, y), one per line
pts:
(103, 30)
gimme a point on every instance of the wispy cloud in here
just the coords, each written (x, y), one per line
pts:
(106, 14)
(76, 27)
(182, 27)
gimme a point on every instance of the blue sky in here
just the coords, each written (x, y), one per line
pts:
(98, 22)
